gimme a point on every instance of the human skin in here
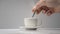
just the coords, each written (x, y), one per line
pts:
(42, 6)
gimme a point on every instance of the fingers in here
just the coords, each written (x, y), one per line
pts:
(34, 9)
(37, 7)
(45, 9)
(49, 12)
(38, 10)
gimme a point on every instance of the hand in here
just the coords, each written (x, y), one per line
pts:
(37, 7)
(42, 6)
(48, 10)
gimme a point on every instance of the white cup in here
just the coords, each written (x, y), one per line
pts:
(30, 22)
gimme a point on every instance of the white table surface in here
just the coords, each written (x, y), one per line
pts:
(23, 31)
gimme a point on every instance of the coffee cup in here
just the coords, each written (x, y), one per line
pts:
(30, 23)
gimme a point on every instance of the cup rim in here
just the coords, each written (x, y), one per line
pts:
(30, 18)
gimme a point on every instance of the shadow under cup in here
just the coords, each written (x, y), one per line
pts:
(30, 23)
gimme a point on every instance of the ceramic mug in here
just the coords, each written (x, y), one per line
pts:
(30, 23)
